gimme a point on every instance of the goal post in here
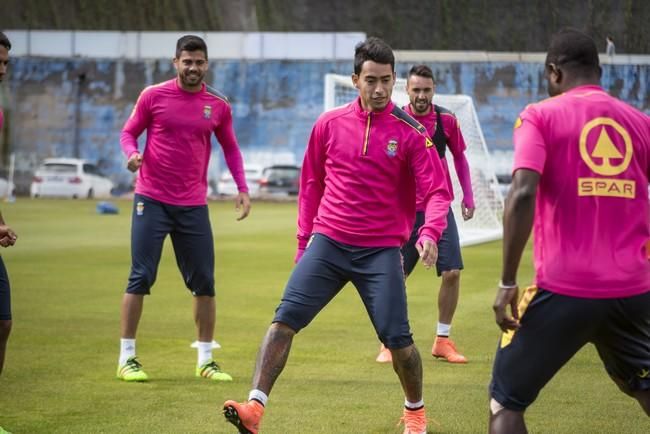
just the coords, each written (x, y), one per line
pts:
(486, 224)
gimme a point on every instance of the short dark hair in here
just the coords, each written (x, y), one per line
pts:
(4, 41)
(575, 51)
(191, 43)
(373, 49)
(422, 71)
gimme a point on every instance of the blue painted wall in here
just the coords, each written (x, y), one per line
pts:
(274, 102)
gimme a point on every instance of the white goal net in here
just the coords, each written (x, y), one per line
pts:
(486, 224)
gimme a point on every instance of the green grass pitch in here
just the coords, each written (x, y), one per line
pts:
(68, 272)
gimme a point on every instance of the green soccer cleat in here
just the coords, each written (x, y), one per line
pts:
(212, 371)
(131, 371)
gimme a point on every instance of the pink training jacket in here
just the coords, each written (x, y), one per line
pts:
(359, 179)
(179, 125)
(456, 145)
(592, 216)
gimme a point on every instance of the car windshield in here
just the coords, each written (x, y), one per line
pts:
(59, 168)
(287, 172)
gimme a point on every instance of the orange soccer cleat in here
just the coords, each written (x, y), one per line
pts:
(444, 348)
(415, 421)
(246, 416)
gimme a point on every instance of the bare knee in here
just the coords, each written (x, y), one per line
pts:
(503, 420)
(5, 329)
(407, 358)
(281, 330)
(451, 277)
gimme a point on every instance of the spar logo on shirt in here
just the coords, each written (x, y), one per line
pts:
(600, 153)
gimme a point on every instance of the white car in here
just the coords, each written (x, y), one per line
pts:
(227, 187)
(69, 177)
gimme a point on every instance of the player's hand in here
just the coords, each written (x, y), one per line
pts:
(243, 205)
(135, 161)
(7, 236)
(506, 297)
(468, 212)
(428, 251)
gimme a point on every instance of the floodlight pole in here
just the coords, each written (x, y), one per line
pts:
(81, 80)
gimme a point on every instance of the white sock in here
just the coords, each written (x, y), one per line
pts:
(444, 329)
(204, 352)
(413, 405)
(258, 395)
(127, 349)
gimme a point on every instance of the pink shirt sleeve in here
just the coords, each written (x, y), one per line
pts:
(226, 136)
(136, 124)
(431, 181)
(530, 148)
(312, 185)
(457, 147)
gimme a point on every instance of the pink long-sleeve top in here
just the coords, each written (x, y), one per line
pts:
(455, 144)
(179, 125)
(360, 175)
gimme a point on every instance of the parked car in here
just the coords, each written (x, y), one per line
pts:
(280, 179)
(69, 177)
(227, 187)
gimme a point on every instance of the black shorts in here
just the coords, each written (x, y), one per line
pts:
(554, 327)
(191, 234)
(5, 293)
(449, 257)
(327, 266)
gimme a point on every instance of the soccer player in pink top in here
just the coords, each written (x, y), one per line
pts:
(180, 116)
(362, 167)
(582, 162)
(444, 130)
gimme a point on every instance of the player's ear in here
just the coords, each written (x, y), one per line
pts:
(355, 80)
(554, 73)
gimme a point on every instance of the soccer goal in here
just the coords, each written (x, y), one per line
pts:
(486, 224)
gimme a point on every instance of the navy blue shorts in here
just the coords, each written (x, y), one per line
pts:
(191, 234)
(5, 293)
(327, 266)
(449, 257)
(554, 327)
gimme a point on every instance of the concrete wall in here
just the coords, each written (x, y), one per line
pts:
(274, 102)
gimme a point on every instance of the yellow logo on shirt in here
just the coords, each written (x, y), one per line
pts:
(518, 122)
(428, 143)
(605, 159)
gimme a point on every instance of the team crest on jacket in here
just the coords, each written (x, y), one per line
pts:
(391, 148)
(207, 112)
